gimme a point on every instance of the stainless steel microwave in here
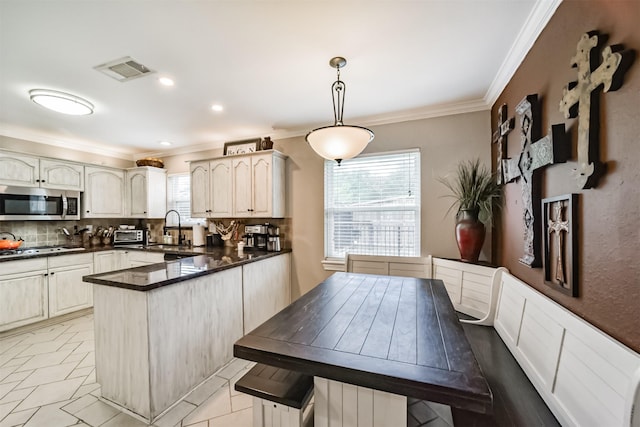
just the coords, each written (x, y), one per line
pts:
(23, 203)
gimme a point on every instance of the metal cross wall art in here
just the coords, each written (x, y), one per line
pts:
(505, 125)
(536, 153)
(581, 98)
(560, 243)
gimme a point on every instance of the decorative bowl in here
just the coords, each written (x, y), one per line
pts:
(150, 161)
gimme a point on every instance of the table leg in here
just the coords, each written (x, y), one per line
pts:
(338, 404)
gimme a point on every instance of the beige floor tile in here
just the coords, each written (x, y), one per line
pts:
(42, 337)
(5, 372)
(17, 376)
(97, 413)
(40, 348)
(81, 336)
(124, 420)
(232, 369)
(76, 357)
(200, 424)
(242, 418)
(7, 387)
(13, 353)
(91, 378)
(50, 393)
(6, 408)
(217, 405)
(88, 360)
(44, 360)
(17, 418)
(175, 415)
(17, 395)
(81, 372)
(48, 375)
(79, 404)
(51, 416)
(17, 361)
(205, 390)
(240, 402)
(85, 347)
(86, 389)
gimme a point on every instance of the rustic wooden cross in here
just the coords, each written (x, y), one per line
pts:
(558, 226)
(584, 95)
(505, 125)
(536, 153)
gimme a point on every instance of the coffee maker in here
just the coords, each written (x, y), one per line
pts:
(273, 239)
(255, 236)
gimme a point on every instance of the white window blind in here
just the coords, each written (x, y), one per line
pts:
(372, 205)
(179, 198)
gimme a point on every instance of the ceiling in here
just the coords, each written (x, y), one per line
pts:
(266, 62)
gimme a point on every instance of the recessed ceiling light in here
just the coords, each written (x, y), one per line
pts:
(61, 102)
(217, 107)
(166, 81)
(165, 143)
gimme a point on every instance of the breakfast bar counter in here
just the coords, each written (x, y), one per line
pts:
(370, 342)
(162, 329)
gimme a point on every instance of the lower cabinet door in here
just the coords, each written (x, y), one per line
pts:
(24, 299)
(67, 291)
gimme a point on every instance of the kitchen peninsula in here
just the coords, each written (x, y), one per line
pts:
(162, 329)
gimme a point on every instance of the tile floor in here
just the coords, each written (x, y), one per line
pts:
(47, 379)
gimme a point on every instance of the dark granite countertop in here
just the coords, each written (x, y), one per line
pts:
(153, 276)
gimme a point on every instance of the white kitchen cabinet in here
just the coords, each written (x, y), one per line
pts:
(23, 292)
(220, 186)
(28, 171)
(61, 175)
(199, 175)
(146, 192)
(242, 186)
(19, 170)
(104, 193)
(105, 261)
(266, 289)
(258, 185)
(67, 291)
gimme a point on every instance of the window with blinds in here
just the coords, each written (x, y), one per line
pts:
(179, 198)
(372, 205)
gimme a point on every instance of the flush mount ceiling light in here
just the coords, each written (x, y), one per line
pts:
(340, 141)
(61, 102)
(217, 108)
(166, 81)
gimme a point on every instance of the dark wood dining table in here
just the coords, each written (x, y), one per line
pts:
(399, 335)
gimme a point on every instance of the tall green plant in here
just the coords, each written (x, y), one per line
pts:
(474, 187)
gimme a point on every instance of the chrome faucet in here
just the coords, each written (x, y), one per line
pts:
(164, 229)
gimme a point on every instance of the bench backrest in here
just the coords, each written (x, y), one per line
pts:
(586, 377)
(389, 266)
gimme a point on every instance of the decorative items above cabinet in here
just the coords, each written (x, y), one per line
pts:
(243, 186)
(28, 171)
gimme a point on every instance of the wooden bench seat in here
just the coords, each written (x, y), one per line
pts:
(279, 395)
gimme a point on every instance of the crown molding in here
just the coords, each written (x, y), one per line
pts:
(538, 19)
(78, 145)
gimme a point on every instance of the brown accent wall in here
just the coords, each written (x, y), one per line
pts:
(608, 215)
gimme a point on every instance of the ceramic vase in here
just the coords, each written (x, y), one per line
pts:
(470, 233)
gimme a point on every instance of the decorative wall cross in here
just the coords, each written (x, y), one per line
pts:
(536, 153)
(558, 226)
(505, 125)
(581, 98)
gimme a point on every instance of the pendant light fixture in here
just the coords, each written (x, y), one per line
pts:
(61, 102)
(340, 141)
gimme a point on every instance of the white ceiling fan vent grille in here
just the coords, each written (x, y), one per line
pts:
(124, 69)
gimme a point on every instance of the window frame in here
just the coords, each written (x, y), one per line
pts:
(171, 219)
(334, 263)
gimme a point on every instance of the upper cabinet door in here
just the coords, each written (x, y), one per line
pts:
(199, 189)
(221, 190)
(137, 193)
(261, 169)
(19, 170)
(242, 188)
(61, 175)
(104, 193)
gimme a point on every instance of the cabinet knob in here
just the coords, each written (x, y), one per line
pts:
(52, 273)
(46, 274)
(87, 211)
(42, 180)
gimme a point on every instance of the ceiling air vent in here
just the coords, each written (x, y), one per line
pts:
(124, 69)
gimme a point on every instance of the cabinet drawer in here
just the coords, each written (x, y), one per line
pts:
(22, 266)
(67, 260)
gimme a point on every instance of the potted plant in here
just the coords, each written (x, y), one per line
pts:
(476, 194)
